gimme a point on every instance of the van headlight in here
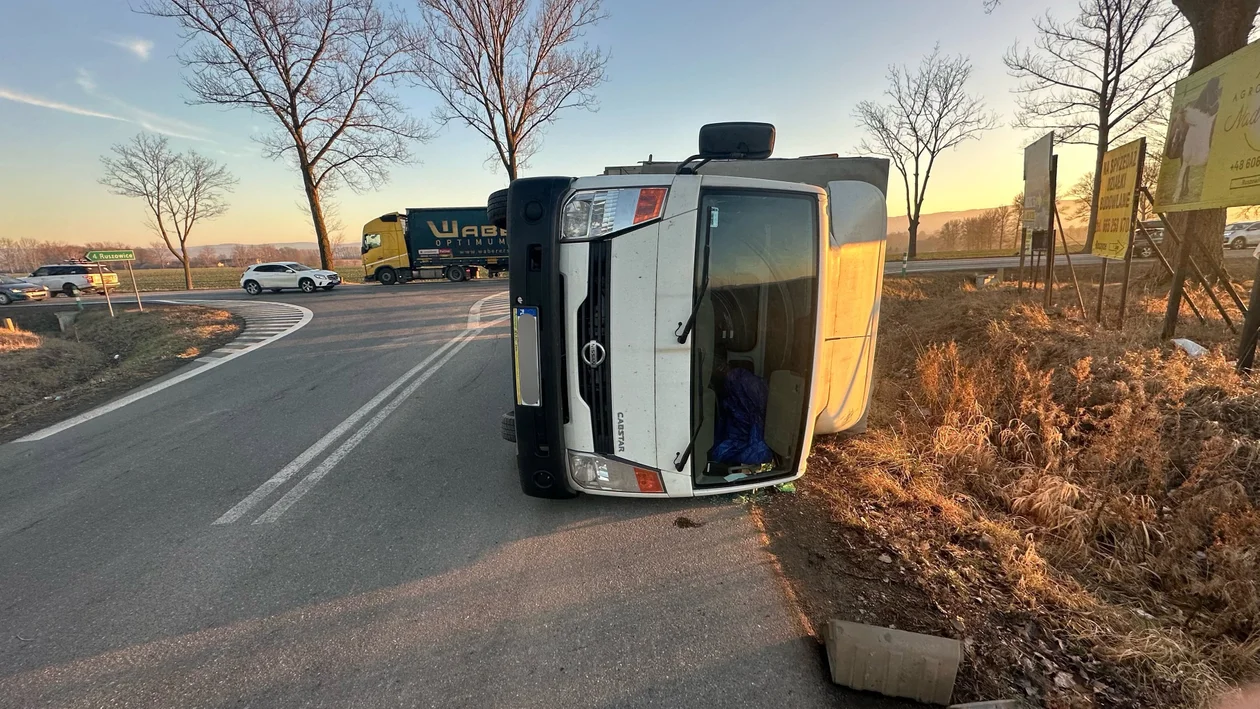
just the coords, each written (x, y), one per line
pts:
(595, 472)
(590, 214)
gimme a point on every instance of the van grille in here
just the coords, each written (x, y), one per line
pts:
(595, 383)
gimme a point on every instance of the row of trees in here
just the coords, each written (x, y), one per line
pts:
(22, 256)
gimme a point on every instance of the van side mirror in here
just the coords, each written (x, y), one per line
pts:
(736, 141)
(731, 141)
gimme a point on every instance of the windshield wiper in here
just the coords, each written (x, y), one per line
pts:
(680, 460)
(704, 281)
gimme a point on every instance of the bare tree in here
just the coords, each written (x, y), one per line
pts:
(160, 250)
(322, 69)
(507, 67)
(930, 112)
(1098, 78)
(178, 190)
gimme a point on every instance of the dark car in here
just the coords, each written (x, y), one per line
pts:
(1141, 247)
(13, 290)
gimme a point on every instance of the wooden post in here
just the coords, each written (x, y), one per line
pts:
(1251, 326)
(1023, 244)
(1067, 253)
(100, 267)
(1054, 198)
(134, 287)
(1102, 286)
(1168, 267)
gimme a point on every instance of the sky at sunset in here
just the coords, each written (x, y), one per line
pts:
(79, 75)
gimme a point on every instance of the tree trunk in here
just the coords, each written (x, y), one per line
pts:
(317, 218)
(1220, 28)
(1104, 138)
(183, 247)
(913, 248)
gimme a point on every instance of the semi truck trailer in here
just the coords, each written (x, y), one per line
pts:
(456, 243)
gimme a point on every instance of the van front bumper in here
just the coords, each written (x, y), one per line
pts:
(535, 290)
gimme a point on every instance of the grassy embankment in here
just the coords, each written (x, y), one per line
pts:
(1080, 505)
(49, 376)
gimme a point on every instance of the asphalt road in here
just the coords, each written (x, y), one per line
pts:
(410, 572)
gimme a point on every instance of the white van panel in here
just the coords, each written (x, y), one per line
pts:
(675, 284)
(854, 279)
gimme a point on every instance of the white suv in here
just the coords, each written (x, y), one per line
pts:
(279, 275)
(1241, 235)
(71, 278)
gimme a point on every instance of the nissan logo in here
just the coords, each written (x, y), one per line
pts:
(593, 354)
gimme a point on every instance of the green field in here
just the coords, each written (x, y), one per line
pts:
(161, 279)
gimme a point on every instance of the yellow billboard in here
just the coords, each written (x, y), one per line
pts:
(1117, 196)
(1212, 151)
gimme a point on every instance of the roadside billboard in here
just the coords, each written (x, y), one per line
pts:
(1212, 151)
(1038, 193)
(1117, 198)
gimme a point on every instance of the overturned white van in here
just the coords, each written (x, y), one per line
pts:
(685, 329)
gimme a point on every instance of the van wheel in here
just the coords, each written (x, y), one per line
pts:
(496, 208)
(70, 289)
(507, 426)
(455, 274)
(386, 276)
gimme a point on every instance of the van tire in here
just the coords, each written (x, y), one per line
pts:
(496, 208)
(507, 426)
(455, 274)
(386, 276)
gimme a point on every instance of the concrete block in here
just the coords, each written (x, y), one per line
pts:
(892, 662)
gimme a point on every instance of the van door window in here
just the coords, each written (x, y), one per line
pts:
(753, 347)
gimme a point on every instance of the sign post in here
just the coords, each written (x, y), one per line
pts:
(1117, 212)
(99, 257)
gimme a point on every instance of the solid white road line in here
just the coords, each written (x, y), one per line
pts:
(166, 383)
(305, 484)
(300, 462)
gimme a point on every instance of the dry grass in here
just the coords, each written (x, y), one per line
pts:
(47, 374)
(1030, 465)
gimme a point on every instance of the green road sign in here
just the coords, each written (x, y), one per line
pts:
(114, 255)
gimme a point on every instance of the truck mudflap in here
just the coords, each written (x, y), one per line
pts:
(535, 291)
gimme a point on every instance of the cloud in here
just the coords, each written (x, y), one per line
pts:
(84, 80)
(145, 119)
(123, 111)
(139, 47)
(56, 105)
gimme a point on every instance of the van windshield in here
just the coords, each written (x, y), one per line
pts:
(753, 343)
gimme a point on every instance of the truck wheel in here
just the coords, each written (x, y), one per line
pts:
(455, 274)
(496, 208)
(386, 276)
(507, 427)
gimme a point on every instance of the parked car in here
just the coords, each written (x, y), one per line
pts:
(73, 277)
(1242, 235)
(15, 289)
(1141, 247)
(279, 275)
